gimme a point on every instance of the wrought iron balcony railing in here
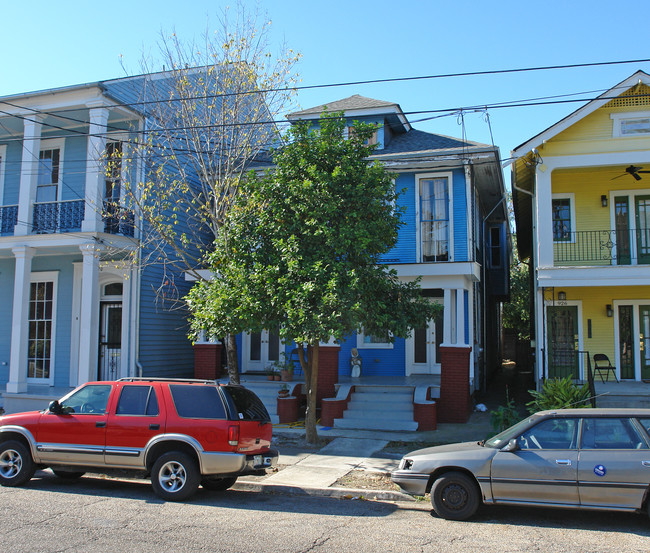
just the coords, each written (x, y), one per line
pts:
(8, 218)
(50, 217)
(602, 247)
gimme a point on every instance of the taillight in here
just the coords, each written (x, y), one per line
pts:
(233, 435)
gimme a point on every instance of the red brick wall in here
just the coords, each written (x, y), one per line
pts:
(328, 372)
(455, 404)
(207, 361)
(425, 414)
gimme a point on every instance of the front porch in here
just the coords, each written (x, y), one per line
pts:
(622, 394)
(35, 398)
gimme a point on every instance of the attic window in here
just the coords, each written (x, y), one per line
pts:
(627, 124)
(372, 140)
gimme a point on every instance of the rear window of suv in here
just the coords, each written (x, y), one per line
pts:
(248, 406)
(197, 402)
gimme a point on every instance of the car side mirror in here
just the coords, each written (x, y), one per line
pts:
(513, 445)
(55, 407)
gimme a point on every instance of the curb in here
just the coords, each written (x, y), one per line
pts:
(338, 493)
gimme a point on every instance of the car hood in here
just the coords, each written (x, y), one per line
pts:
(20, 418)
(448, 448)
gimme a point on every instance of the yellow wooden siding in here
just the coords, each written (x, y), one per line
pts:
(594, 301)
(594, 133)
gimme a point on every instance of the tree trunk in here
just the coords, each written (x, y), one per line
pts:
(311, 380)
(231, 354)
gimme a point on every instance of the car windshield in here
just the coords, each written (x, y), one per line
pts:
(504, 437)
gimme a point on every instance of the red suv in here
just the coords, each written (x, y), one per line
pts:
(181, 432)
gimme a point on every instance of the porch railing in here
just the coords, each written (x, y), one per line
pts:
(8, 218)
(604, 247)
(65, 216)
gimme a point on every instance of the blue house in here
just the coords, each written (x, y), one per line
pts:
(455, 238)
(74, 308)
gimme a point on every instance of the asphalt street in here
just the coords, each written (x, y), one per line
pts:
(98, 514)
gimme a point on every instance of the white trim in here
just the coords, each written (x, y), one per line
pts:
(75, 328)
(53, 277)
(3, 162)
(449, 175)
(433, 365)
(363, 345)
(572, 216)
(618, 118)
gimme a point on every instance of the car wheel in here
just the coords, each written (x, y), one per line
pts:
(175, 476)
(16, 465)
(68, 474)
(218, 484)
(454, 496)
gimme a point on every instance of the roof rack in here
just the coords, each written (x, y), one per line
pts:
(158, 379)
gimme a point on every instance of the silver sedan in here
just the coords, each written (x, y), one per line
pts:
(571, 458)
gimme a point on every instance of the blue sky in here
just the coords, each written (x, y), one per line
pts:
(47, 45)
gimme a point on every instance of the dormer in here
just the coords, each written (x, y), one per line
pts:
(387, 116)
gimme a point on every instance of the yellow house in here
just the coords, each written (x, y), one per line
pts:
(581, 192)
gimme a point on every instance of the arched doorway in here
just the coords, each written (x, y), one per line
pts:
(110, 331)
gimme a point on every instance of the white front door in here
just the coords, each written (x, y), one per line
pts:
(260, 350)
(421, 351)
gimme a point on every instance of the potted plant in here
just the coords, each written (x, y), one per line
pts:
(283, 391)
(270, 372)
(285, 366)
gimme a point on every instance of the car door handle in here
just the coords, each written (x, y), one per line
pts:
(100, 424)
(154, 427)
(645, 463)
(566, 462)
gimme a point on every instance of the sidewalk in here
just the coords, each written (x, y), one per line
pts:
(315, 472)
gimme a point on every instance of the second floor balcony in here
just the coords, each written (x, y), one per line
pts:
(602, 247)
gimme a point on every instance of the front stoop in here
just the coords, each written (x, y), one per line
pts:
(379, 408)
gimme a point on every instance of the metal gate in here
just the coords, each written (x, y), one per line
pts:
(110, 340)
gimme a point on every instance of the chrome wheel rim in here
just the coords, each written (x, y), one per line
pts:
(172, 476)
(10, 463)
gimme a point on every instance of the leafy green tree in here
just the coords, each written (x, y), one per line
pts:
(301, 250)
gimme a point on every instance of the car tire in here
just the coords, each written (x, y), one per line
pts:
(455, 496)
(68, 474)
(218, 484)
(16, 464)
(175, 476)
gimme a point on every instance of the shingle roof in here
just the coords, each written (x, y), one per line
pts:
(419, 141)
(346, 104)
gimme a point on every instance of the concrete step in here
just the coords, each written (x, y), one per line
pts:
(399, 425)
(379, 407)
(615, 401)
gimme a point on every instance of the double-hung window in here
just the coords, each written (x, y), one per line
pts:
(434, 218)
(42, 310)
(47, 189)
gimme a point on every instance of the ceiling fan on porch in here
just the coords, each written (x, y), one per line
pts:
(634, 171)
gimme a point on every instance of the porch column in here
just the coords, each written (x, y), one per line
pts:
(460, 317)
(89, 316)
(19, 321)
(95, 176)
(28, 174)
(447, 315)
(544, 239)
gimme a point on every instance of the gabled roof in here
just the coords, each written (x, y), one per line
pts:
(581, 113)
(358, 106)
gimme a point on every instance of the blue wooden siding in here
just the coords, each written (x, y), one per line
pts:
(164, 348)
(375, 362)
(460, 216)
(73, 179)
(404, 250)
(7, 271)
(62, 265)
(12, 173)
